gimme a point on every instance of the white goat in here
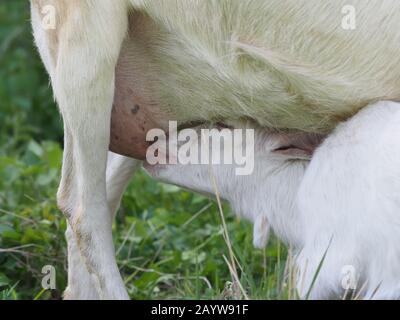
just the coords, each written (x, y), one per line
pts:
(344, 202)
(284, 64)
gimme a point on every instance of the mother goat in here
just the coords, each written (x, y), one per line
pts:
(283, 64)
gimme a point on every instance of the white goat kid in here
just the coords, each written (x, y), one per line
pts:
(344, 202)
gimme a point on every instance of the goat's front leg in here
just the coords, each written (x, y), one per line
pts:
(83, 83)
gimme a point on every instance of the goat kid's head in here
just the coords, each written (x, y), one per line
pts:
(280, 160)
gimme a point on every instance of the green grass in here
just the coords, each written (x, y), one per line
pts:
(169, 242)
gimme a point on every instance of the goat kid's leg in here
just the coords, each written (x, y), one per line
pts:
(85, 94)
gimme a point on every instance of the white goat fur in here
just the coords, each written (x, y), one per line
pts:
(345, 202)
(284, 64)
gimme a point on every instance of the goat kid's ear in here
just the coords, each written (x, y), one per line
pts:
(297, 145)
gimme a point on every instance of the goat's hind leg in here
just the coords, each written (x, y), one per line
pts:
(85, 94)
(80, 283)
(119, 172)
